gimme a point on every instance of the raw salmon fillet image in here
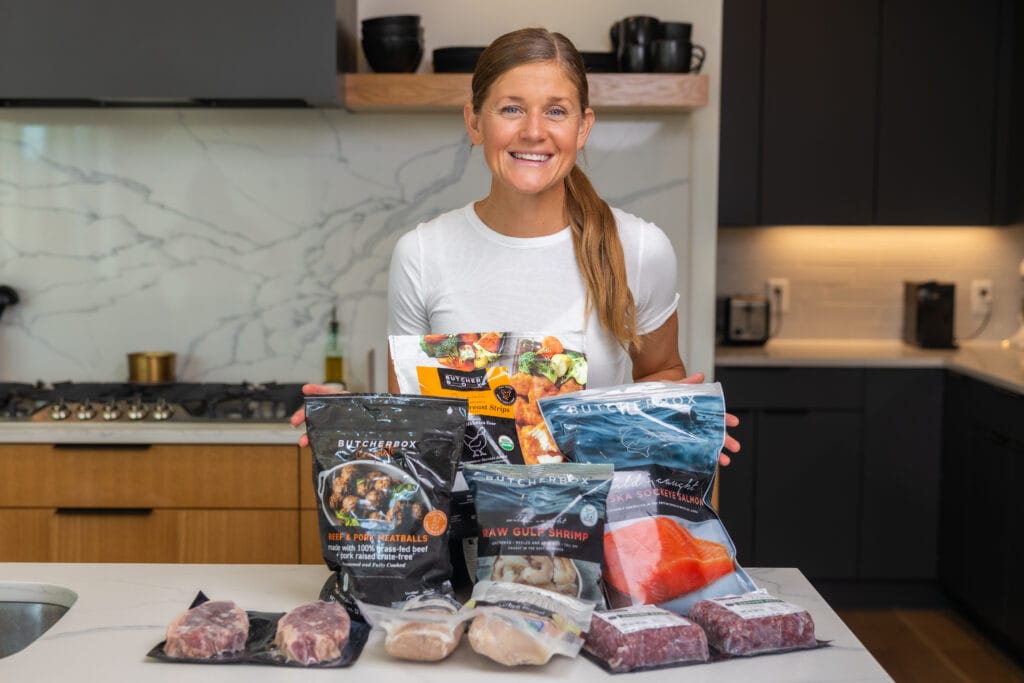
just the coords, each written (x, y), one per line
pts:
(655, 560)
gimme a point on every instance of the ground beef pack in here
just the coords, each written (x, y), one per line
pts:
(383, 470)
(663, 542)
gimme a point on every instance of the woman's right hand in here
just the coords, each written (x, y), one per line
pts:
(298, 418)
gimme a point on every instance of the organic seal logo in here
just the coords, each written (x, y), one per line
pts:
(506, 442)
(505, 394)
(588, 515)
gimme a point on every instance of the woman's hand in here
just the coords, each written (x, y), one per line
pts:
(731, 420)
(298, 418)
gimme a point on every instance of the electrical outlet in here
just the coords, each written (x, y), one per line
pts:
(981, 296)
(777, 291)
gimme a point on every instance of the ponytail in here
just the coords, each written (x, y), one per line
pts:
(595, 239)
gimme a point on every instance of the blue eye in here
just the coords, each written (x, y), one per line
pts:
(511, 109)
(557, 112)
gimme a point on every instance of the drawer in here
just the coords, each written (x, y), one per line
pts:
(792, 388)
(310, 549)
(157, 476)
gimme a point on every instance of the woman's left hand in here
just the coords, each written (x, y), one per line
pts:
(298, 418)
(731, 444)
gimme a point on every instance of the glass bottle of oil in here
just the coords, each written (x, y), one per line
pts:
(334, 362)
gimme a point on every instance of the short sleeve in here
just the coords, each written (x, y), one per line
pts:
(407, 309)
(654, 292)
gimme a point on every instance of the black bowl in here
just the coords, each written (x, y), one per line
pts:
(600, 62)
(392, 20)
(456, 59)
(393, 54)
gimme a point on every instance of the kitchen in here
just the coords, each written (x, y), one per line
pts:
(113, 251)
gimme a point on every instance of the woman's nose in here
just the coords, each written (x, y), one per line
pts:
(533, 126)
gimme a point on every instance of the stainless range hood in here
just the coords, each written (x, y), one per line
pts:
(167, 52)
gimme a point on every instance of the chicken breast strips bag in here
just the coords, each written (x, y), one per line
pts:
(663, 542)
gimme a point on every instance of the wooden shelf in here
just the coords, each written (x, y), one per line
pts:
(609, 92)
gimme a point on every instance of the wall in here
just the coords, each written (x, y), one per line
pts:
(227, 235)
(847, 282)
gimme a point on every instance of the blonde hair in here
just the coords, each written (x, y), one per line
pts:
(595, 236)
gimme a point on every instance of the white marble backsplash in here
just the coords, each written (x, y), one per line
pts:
(226, 235)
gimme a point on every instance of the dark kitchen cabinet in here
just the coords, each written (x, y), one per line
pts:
(936, 111)
(817, 138)
(902, 461)
(839, 472)
(982, 517)
(871, 112)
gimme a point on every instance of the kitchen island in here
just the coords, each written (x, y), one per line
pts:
(122, 611)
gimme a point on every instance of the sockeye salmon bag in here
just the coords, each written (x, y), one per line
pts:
(383, 469)
(501, 375)
(663, 543)
(542, 525)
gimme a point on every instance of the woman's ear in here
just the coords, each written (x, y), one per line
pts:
(586, 124)
(472, 124)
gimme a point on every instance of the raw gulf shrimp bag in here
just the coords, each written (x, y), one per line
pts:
(663, 542)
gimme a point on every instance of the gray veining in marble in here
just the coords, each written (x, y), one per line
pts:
(227, 235)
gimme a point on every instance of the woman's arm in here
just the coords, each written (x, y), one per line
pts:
(658, 357)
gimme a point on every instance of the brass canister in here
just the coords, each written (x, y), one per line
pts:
(151, 367)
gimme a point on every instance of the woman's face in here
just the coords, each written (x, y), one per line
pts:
(531, 128)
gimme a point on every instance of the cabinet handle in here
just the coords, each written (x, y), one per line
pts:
(102, 446)
(124, 512)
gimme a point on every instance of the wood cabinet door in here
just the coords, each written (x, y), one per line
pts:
(26, 535)
(310, 548)
(200, 536)
(149, 476)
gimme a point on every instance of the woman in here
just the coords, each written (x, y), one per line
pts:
(542, 252)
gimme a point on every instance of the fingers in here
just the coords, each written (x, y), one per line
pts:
(731, 444)
(731, 420)
(298, 418)
(303, 440)
(696, 378)
(724, 459)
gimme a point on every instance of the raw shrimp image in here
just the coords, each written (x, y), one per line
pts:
(552, 573)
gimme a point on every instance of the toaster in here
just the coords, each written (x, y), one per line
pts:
(928, 314)
(742, 320)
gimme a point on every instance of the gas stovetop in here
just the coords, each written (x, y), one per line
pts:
(127, 403)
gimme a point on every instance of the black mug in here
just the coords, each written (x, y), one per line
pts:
(676, 56)
(633, 58)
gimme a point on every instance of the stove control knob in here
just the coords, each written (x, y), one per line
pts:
(136, 411)
(85, 411)
(59, 410)
(162, 411)
(111, 411)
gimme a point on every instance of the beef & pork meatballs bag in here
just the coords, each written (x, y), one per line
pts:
(383, 469)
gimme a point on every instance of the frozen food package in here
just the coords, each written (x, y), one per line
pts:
(214, 628)
(516, 624)
(383, 470)
(663, 542)
(541, 525)
(424, 628)
(644, 637)
(754, 623)
(313, 633)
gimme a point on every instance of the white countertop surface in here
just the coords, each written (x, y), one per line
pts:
(986, 361)
(122, 611)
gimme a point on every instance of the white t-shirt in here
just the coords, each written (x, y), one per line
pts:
(455, 274)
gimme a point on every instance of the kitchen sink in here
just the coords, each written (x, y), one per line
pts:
(28, 610)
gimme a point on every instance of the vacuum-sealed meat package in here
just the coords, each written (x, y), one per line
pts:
(517, 624)
(754, 623)
(644, 637)
(424, 628)
(663, 542)
(383, 470)
(541, 525)
(215, 628)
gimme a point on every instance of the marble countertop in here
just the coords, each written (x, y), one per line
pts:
(268, 433)
(122, 611)
(986, 361)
